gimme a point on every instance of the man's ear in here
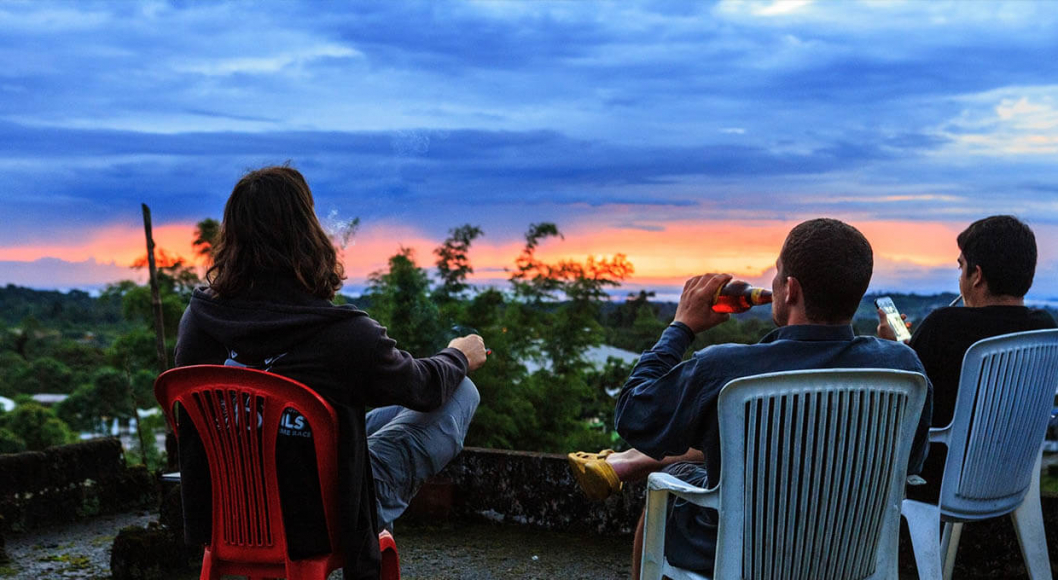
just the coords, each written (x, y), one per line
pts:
(793, 291)
(977, 277)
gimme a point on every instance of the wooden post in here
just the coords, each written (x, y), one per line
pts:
(156, 299)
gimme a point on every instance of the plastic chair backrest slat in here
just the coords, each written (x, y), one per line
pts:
(1005, 395)
(823, 459)
(237, 414)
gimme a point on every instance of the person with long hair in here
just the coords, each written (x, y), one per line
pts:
(268, 305)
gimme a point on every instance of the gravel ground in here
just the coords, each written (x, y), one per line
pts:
(491, 551)
(479, 551)
(458, 551)
(73, 551)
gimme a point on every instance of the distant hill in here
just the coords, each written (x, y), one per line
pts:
(53, 309)
(79, 310)
(915, 306)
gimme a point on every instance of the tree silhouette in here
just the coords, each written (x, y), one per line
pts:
(207, 234)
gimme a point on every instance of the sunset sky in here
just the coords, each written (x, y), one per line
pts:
(689, 136)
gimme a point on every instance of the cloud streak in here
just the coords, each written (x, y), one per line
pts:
(616, 120)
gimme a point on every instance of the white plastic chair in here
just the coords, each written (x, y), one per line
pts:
(994, 443)
(814, 464)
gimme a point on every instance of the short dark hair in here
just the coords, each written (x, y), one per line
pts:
(270, 229)
(1005, 249)
(833, 262)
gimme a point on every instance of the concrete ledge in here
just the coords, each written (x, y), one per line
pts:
(534, 489)
(538, 490)
(70, 482)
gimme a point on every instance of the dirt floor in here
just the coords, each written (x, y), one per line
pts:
(480, 551)
(78, 551)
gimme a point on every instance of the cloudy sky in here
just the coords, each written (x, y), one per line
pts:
(689, 136)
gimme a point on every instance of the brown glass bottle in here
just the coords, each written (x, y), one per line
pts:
(739, 296)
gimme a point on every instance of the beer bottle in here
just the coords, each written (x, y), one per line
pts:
(739, 296)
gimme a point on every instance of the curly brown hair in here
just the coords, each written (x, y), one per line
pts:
(270, 229)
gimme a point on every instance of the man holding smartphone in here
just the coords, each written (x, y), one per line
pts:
(997, 262)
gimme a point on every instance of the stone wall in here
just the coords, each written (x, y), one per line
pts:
(67, 483)
(535, 489)
(538, 490)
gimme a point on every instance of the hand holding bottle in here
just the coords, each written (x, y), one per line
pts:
(473, 347)
(696, 302)
(739, 296)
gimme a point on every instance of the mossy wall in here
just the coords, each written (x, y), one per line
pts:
(70, 482)
(537, 489)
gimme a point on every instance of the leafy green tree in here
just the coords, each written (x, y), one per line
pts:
(400, 301)
(575, 326)
(534, 280)
(25, 338)
(136, 350)
(10, 443)
(173, 274)
(635, 324)
(551, 319)
(45, 375)
(70, 310)
(79, 357)
(142, 384)
(12, 367)
(645, 331)
(145, 453)
(207, 234)
(735, 330)
(79, 410)
(37, 426)
(136, 306)
(597, 414)
(506, 413)
(453, 263)
(108, 396)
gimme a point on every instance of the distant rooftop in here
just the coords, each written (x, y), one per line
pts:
(596, 356)
(49, 398)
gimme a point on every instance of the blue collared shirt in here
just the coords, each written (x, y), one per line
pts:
(668, 406)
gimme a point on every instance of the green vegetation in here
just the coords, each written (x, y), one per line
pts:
(538, 392)
(98, 351)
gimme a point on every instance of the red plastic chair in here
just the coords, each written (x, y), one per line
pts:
(248, 537)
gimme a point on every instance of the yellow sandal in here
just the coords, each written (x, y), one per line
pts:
(595, 476)
(585, 456)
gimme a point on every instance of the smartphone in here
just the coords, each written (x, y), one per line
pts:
(892, 315)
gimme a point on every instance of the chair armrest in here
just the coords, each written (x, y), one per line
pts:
(940, 435)
(659, 486)
(684, 490)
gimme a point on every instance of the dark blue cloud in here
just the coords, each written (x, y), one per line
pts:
(107, 173)
(436, 114)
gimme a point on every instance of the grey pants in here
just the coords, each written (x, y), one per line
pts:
(407, 447)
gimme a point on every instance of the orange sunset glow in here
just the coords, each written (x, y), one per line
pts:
(665, 258)
(662, 258)
(119, 244)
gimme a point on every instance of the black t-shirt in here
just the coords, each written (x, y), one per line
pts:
(941, 342)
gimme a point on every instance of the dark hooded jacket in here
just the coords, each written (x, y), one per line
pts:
(343, 355)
